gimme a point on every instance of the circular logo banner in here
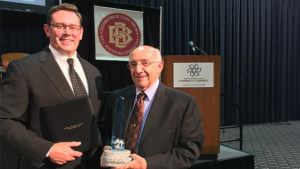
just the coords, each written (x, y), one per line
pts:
(119, 34)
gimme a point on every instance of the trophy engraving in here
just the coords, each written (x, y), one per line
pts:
(118, 155)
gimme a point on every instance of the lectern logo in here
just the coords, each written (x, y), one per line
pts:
(194, 70)
(119, 34)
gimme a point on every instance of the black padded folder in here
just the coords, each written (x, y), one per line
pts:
(72, 120)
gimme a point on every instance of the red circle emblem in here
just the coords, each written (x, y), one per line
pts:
(119, 34)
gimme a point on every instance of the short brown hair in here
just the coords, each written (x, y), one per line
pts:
(66, 7)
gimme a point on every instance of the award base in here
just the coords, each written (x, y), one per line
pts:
(115, 158)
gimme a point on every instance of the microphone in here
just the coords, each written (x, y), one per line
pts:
(192, 46)
(196, 48)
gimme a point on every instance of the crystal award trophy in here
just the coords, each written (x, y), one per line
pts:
(118, 155)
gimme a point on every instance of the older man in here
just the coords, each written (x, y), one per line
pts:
(171, 132)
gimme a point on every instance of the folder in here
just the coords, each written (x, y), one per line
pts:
(72, 120)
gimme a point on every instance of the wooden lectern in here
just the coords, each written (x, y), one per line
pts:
(208, 98)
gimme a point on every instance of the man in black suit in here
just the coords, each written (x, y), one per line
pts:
(42, 79)
(171, 134)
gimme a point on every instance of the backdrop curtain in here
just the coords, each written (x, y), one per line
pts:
(258, 41)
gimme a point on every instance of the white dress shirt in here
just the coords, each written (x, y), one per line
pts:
(64, 66)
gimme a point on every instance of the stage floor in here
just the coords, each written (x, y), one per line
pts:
(228, 158)
(274, 145)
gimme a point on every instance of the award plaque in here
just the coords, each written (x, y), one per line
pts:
(117, 155)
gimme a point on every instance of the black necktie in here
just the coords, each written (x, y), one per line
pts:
(77, 84)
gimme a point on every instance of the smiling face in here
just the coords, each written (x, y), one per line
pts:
(64, 40)
(148, 66)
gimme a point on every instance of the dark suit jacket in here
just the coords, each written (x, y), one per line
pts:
(173, 133)
(31, 83)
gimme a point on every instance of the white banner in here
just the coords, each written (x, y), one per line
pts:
(117, 32)
(193, 75)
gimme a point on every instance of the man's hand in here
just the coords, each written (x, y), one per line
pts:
(61, 153)
(137, 163)
(104, 148)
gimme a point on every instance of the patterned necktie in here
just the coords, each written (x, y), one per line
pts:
(77, 84)
(135, 124)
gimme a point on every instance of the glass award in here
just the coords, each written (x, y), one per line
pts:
(118, 155)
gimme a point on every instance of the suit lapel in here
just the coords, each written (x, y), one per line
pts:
(154, 112)
(94, 83)
(54, 73)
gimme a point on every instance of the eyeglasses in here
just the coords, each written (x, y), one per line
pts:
(133, 64)
(61, 27)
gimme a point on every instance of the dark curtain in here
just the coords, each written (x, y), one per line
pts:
(258, 41)
(21, 32)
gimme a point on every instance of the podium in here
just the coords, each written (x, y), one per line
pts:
(200, 77)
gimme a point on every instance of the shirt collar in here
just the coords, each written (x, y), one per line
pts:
(59, 56)
(150, 92)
